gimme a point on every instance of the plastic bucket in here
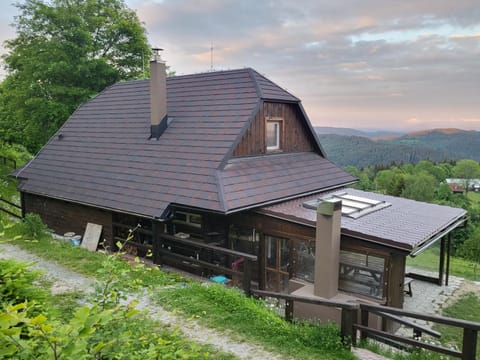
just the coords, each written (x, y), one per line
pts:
(76, 240)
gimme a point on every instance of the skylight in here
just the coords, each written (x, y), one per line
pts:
(352, 206)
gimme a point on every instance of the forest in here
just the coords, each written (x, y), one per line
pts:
(433, 145)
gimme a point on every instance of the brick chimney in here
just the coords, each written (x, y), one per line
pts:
(327, 248)
(158, 95)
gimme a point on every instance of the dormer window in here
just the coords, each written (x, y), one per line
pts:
(273, 134)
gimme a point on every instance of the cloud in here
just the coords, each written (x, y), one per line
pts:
(352, 63)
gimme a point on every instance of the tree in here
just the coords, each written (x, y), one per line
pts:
(65, 52)
(420, 187)
(467, 170)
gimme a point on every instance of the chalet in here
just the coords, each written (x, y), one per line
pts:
(225, 175)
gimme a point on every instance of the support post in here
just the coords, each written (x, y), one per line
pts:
(469, 346)
(247, 277)
(155, 244)
(441, 265)
(447, 271)
(364, 320)
(289, 310)
(346, 330)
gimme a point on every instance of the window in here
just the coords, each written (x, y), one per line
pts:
(305, 262)
(273, 135)
(362, 273)
(190, 219)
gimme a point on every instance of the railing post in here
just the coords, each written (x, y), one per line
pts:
(289, 310)
(364, 321)
(469, 346)
(155, 244)
(247, 277)
(346, 330)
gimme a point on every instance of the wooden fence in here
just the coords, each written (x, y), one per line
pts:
(6, 206)
(354, 318)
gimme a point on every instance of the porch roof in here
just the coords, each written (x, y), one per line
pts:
(405, 224)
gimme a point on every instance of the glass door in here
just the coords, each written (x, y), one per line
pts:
(277, 266)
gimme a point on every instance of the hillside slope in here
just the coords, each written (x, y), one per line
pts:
(460, 144)
(361, 152)
(436, 145)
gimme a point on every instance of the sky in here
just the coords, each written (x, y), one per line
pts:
(365, 64)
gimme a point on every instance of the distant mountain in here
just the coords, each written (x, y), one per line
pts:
(371, 134)
(458, 144)
(435, 145)
(361, 152)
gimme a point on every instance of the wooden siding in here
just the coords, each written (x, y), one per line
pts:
(395, 260)
(62, 216)
(294, 135)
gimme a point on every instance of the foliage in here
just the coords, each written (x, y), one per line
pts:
(362, 152)
(32, 227)
(106, 330)
(471, 246)
(425, 182)
(119, 332)
(467, 169)
(15, 152)
(228, 308)
(419, 187)
(64, 53)
(16, 283)
(435, 146)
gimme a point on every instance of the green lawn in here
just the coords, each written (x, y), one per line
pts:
(429, 260)
(474, 197)
(466, 308)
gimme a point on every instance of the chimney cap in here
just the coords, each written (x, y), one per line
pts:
(157, 54)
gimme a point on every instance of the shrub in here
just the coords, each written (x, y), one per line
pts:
(32, 227)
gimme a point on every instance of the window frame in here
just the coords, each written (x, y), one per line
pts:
(278, 134)
(188, 220)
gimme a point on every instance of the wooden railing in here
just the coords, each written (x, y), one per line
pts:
(470, 330)
(4, 202)
(354, 318)
(201, 252)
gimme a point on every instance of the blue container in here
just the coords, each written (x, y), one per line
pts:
(219, 279)
(76, 240)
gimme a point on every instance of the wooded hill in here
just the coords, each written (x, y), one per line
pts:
(437, 145)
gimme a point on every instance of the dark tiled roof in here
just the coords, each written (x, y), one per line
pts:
(278, 177)
(104, 158)
(405, 224)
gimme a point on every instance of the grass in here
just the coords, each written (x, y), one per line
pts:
(156, 340)
(466, 308)
(228, 309)
(217, 307)
(474, 197)
(429, 260)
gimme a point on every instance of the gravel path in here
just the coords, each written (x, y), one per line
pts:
(65, 280)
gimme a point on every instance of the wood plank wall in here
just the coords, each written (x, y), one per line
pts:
(62, 216)
(295, 137)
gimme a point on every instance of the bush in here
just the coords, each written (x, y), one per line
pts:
(32, 227)
(16, 284)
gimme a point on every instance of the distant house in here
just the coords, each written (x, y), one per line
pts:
(218, 166)
(459, 185)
